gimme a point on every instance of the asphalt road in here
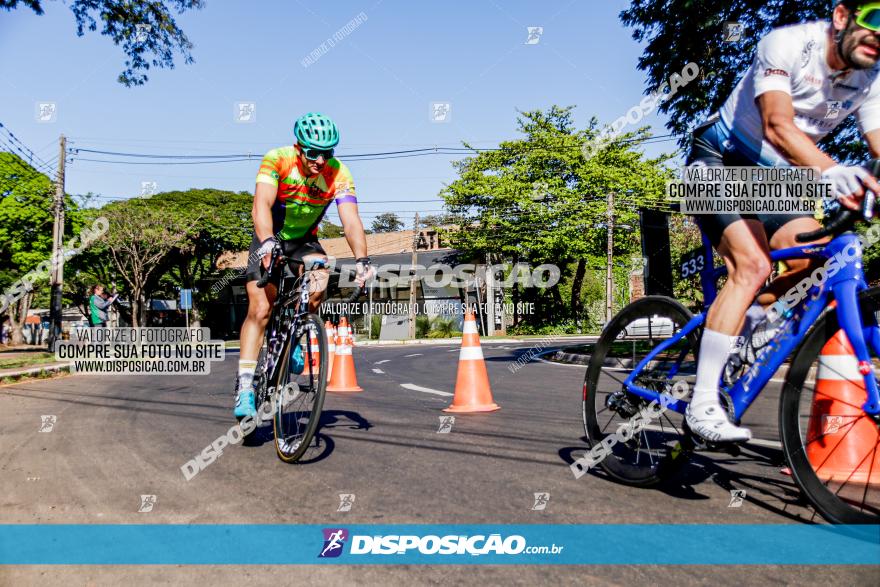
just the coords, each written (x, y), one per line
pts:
(115, 439)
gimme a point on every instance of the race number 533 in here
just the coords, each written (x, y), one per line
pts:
(692, 263)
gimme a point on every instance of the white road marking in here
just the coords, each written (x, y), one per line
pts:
(806, 381)
(755, 441)
(768, 443)
(414, 387)
(380, 362)
(412, 355)
(378, 371)
(452, 351)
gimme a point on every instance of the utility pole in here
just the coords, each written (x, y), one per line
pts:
(57, 250)
(412, 280)
(609, 272)
(490, 297)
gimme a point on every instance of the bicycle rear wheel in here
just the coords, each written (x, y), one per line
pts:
(832, 445)
(300, 390)
(655, 451)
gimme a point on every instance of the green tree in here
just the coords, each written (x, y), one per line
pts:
(387, 222)
(146, 29)
(220, 221)
(436, 220)
(538, 199)
(330, 230)
(676, 32)
(140, 238)
(26, 221)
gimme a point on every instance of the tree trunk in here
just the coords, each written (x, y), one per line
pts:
(143, 306)
(514, 298)
(577, 283)
(18, 313)
(137, 308)
(557, 298)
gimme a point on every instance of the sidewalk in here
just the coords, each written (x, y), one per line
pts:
(23, 352)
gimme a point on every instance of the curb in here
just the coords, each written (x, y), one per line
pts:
(560, 356)
(36, 370)
(432, 341)
(439, 341)
(429, 341)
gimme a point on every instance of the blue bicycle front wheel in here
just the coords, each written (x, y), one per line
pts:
(831, 444)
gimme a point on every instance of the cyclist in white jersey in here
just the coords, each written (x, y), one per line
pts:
(804, 81)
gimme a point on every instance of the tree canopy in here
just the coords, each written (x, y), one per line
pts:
(387, 222)
(676, 32)
(539, 199)
(146, 29)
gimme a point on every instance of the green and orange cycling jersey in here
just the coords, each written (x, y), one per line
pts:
(301, 200)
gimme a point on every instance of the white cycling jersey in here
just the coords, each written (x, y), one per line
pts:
(793, 60)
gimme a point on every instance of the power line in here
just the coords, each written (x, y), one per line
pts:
(19, 163)
(376, 156)
(21, 158)
(25, 150)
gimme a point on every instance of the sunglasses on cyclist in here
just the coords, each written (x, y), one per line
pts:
(313, 154)
(869, 16)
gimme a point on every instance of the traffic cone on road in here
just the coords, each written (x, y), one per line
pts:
(841, 439)
(343, 331)
(314, 357)
(472, 391)
(343, 378)
(331, 346)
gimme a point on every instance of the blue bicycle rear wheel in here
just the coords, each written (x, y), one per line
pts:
(661, 445)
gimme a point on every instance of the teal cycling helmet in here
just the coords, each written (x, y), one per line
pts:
(316, 131)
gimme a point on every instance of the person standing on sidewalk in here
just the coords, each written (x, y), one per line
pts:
(99, 303)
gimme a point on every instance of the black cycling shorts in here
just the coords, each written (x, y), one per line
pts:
(708, 148)
(296, 249)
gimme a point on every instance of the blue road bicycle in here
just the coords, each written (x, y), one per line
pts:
(653, 343)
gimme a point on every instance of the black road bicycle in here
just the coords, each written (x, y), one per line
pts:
(290, 381)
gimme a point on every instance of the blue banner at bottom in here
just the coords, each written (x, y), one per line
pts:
(369, 544)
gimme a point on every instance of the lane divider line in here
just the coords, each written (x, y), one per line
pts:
(412, 355)
(414, 387)
(756, 441)
(378, 371)
(380, 362)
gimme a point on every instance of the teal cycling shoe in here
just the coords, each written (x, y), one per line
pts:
(245, 404)
(297, 362)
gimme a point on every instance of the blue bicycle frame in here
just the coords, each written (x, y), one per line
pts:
(843, 285)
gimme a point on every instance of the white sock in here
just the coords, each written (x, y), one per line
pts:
(246, 370)
(715, 349)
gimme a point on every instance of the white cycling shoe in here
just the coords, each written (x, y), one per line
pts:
(709, 421)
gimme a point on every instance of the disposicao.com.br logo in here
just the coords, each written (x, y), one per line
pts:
(334, 540)
(393, 544)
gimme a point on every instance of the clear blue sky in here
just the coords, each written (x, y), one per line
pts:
(377, 84)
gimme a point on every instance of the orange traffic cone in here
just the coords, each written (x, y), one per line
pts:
(343, 330)
(331, 346)
(343, 377)
(842, 439)
(472, 391)
(315, 354)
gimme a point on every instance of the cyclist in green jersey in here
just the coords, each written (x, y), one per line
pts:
(295, 185)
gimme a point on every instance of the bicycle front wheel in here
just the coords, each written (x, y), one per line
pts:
(300, 386)
(659, 446)
(832, 445)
